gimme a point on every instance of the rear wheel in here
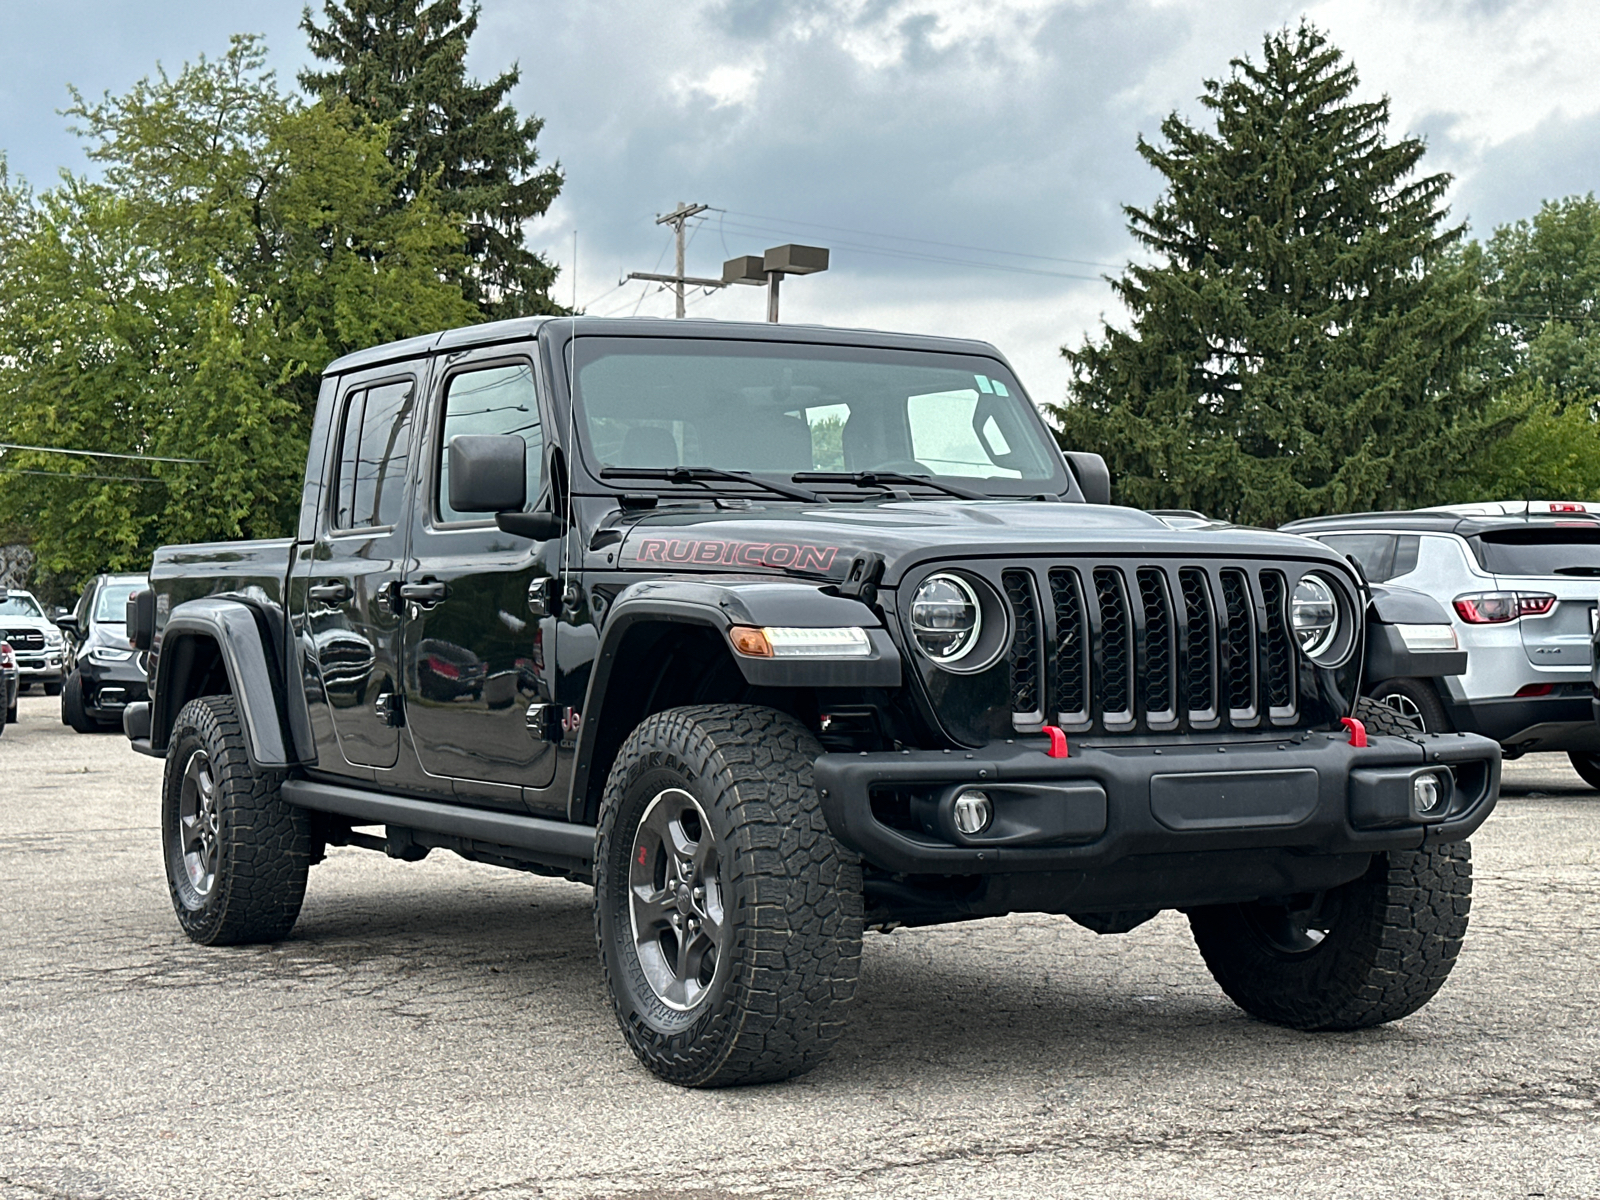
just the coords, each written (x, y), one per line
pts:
(1374, 950)
(1415, 700)
(728, 919)
(1586, 765)
(237, 854)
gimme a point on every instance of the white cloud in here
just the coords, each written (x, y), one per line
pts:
(725, 86)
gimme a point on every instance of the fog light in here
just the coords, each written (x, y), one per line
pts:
(973, 812)
(1427, 794)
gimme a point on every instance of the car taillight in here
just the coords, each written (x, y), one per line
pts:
(1493, 608)
(1487, 608)
(8, 657)
(1535, 689)
(1564, 506)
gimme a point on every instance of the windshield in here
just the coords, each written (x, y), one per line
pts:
(111, 605)
(781, 409)
(20, 604)
(1541, 551)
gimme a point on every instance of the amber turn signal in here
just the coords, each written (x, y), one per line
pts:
(749, 641)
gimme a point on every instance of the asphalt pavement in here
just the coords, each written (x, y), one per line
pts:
(440, 1030)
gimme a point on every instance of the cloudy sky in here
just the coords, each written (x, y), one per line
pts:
(965, 159)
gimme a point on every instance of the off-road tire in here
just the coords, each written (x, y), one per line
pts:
(1419, 694)
(1586, 765)
(72, 708)
(1380, 719)
(786, 973)
(262, 842)
(1394, 935)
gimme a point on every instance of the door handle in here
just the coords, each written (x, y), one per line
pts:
(429, 591)
(332, 593)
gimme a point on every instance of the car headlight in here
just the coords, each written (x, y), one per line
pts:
(53, 639)
(110, 654)
(1324, 620)
(946, 618)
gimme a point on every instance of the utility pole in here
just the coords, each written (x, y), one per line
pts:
(678, 218)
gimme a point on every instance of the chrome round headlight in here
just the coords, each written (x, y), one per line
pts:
(1314, 615)
(946, 618)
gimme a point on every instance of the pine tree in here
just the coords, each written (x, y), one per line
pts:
(403, 63)
(1298, 343)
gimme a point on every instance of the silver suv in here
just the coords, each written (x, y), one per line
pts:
(1521, 581)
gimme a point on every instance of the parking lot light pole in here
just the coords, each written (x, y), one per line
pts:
(771, 267)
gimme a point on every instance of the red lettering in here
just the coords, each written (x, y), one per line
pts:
(816, 558)
(681, 551)
(650, 550)
(750, 554)
(642, 855)
(780, 554)
(708, 552)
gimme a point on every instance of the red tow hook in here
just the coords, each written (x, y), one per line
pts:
(1358, 731)
(1058, 741)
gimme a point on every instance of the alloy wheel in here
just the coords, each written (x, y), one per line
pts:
(675, 899)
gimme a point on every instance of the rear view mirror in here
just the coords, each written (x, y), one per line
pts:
(67, 622)
(1092, 474)
(488, 473)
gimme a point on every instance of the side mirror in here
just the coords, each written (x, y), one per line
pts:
(488, 472)
(67, 622)
(1092, 474)
(57, 613)
(141, 616)
(540, 526)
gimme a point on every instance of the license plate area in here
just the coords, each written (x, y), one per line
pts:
(1234, 799)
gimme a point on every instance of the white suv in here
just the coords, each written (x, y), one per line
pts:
(1521, 581)
(38, 643)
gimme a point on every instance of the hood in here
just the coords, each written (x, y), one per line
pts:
(819, 541)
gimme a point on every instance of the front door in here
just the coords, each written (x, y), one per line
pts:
(353, 570)
(478, 653)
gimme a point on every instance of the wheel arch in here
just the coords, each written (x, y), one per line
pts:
(666, 644)
(216, 646)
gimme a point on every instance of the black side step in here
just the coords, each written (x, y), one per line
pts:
(555, 843)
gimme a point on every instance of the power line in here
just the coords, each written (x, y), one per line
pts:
(101, 454)
(75, 475)
(899, 237)
(892, 252)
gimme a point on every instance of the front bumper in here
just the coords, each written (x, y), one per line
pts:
(36, 667)
(108, 688)
(1523, 723)
(1106, 805)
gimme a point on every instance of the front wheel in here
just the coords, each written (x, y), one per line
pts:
(728, 919)
(237, 853)
(1416, 701)
(73, 709)
(1373, 950)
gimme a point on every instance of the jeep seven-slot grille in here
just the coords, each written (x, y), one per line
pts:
(1157, 647)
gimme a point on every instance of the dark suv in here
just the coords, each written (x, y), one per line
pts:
(777, 634)
(104, 672)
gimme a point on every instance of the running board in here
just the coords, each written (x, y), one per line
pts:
(553, 843)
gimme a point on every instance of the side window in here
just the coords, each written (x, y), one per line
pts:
(1407, 548)
(1374, 551)
(374, 442)
(490, 400)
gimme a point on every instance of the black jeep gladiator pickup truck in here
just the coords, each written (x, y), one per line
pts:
(778, 634)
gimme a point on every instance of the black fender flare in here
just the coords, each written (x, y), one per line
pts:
(1387, 655)
(234, 627)
(719, 605)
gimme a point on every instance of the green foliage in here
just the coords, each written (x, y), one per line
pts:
(1542, 281)
(402, 64)
(184, 305)
(1551, 452)
(1297, 345)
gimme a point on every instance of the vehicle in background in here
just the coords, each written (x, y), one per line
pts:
(37, 643)
(8, 685)
(104, 672)
(1522, 581)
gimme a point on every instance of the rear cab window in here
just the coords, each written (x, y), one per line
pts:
(374, 443)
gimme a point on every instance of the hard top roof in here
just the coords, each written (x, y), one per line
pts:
(1467, 520)
(523, 328)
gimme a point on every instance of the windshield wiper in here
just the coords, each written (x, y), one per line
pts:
(700, 474)
(883, 479)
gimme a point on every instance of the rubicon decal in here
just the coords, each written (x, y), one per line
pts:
(796, 556)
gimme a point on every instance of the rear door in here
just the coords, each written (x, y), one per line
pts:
(478, 652)
(349, 607)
